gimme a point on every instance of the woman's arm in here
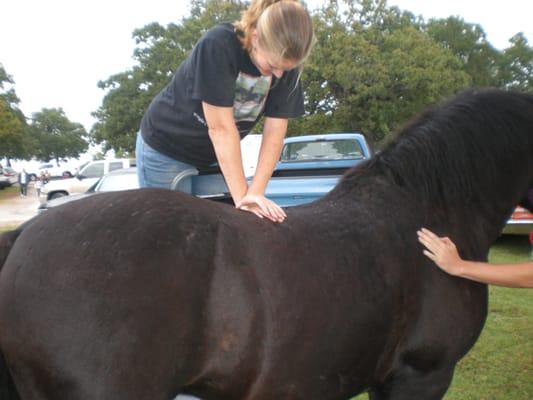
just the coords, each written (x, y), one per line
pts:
(274, 131)
(271, 144)
(444, 253)
(226, 141)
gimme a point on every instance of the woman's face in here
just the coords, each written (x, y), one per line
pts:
(268, 63)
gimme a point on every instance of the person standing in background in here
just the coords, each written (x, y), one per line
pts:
(38, 185)
(23, 183)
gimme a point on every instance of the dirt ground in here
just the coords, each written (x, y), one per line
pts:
(14, 209)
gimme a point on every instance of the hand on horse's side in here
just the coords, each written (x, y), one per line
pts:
(441, 250)
(262, 207)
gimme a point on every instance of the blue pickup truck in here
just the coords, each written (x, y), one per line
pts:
(309, 167)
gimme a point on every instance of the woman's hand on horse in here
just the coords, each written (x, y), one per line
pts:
(441, 250)
(262, 207)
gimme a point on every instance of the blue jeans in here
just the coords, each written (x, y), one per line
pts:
(158, 170)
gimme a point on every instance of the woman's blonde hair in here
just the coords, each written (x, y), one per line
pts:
(284, 28)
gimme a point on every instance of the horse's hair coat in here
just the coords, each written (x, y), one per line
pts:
(149, 293)
(446, 154)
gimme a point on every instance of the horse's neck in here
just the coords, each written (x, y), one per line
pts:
(477, 220)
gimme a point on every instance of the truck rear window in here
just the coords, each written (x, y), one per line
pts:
(322, 150)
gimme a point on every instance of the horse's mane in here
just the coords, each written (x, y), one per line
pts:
(453, 153)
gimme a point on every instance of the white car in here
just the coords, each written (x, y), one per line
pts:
(87, 177)
(53, 170)
(121, 179)
(8, 177)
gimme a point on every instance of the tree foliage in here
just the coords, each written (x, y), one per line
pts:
(468, 42)
(160, 50)
(13, 142)
(14, 139)
(57, 137)
(372, 68)
(516, 66)
(7, 92)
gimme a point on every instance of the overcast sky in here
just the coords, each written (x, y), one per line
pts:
(57, 50)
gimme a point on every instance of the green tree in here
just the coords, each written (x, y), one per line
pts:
(160, 50)
(12, 133)
(14, 139)
(372, 69)
(57, 137)
(6, 91)
(469, 44)
(516, 66)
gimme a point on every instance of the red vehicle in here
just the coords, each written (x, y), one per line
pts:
(520, 223)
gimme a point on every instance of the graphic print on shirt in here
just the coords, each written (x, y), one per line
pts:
(250, 96)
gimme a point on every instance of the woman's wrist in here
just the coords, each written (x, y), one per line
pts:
(254, 190)
(254, 194)
(459, 268)
(237, 197)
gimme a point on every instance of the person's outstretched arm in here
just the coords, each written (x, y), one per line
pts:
(271, 143)
(444, 253)
(225, 137)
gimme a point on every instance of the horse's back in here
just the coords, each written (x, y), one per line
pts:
(213, 299)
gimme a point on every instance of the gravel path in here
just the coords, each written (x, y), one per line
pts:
(14, 209)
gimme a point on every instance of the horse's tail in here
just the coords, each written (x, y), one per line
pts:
(7, 240)
(7, 386)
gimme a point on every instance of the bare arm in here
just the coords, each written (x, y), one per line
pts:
(271, 144)
(444, 253)
(226, 141)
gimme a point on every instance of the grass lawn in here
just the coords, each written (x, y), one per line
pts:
(8, 193)
(500, 366)
(5, 228)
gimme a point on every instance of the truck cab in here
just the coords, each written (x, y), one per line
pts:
(309, 167)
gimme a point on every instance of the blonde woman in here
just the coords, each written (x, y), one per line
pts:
(235, 74)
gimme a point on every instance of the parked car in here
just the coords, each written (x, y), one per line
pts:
(8, 177)
(520, 223)
(120, 179)
(54, 171)
(4, 182)
(88, 176)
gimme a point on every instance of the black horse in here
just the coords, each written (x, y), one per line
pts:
(149, 293)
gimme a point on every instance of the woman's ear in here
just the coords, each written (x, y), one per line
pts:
(254, 38)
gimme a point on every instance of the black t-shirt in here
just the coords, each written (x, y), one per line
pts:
(218, 71)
